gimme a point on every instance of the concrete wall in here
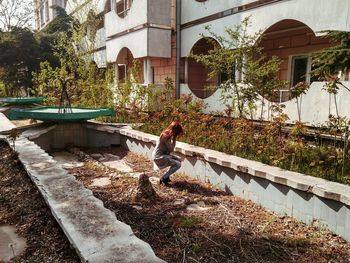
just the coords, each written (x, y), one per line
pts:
(159, 12)
(45, 141)
(303, 197)
(83, 134)
(288, 193)
(159, 42)
(100, 138)
(5, 124)
(142, 43)
(142, 40)
(316, 104)
(192, 10)
(43, 18)
(100, 58)
(100, 39)
(92, 230)
(317, 14)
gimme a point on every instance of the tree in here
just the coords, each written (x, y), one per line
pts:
(61, 23)
(327, 63)
(19, 56)
(236, 55)
(74, 44)
(49, 36)
(16, 13)
(22, 51)
(89, 85)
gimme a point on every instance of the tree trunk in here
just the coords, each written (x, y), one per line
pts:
(145, 189)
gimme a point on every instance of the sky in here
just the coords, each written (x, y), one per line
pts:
(16, 12)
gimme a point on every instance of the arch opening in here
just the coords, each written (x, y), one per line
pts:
(293, 42)
(124, 63)
(198, 80)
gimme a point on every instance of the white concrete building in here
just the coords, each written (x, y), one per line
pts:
(162, 33)
(291, 32)
(45, 12)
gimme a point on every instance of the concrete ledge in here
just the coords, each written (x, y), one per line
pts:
(304, 197)
(93, 230)
(318, 186)
(36, 131)
(3, 109)
(5, 124)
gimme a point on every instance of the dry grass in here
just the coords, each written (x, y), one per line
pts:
(232, 230)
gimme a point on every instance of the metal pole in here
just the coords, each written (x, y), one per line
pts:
(178, 48)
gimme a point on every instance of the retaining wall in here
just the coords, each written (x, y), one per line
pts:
(300, 196)
(85, 134)
(93, 230)
(303, 197)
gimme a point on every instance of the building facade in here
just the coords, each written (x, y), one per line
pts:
(163, 33)
(45, 11)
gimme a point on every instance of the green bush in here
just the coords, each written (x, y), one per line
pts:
(268, 142)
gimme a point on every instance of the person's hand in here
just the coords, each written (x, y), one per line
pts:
(174, 140)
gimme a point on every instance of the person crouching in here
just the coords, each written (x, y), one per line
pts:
(161, 155)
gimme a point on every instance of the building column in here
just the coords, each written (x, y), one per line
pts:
(147, 71)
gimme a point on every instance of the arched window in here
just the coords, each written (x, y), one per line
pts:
(293, 43)
(122, 7)
(124, 62)
(198, 80)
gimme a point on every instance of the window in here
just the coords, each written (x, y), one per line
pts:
(300, 69)
(60, 3)
(236, 73)
(122, 7)
(42, 21)
(108, 6)
(152, 75)
(122, 73)
(47, 11)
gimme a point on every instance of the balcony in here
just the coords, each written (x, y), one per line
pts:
(143, 26)
(130, 15)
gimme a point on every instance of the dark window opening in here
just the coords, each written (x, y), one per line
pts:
(122, 7)
(108, 6)
(152, 74)
(122, 73)
(300, 70)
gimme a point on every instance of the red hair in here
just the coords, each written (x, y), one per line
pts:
(173, 130)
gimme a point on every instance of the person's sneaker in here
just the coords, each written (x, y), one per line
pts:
(165, 182)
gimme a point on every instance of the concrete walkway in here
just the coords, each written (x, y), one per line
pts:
(93, 230)
(11, 244)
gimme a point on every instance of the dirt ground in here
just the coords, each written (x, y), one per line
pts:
(22, 206)
(230, 230)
